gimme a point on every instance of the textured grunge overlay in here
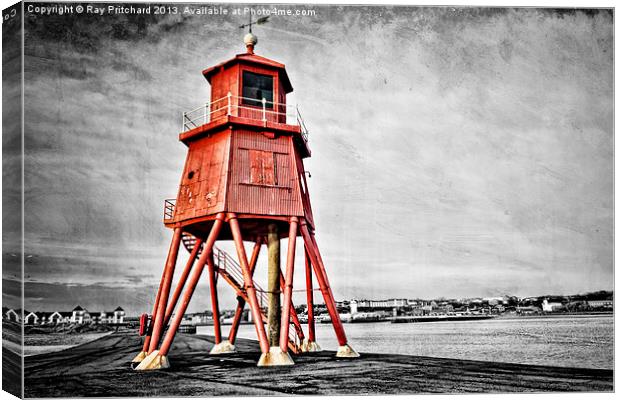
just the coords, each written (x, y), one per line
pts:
(456, 151)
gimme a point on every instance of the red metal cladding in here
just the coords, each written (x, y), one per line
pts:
(263, 176)
(224, 81)
(228, 78)
(281, 107)
(249, 59)
(262, 167)
(202, 190)
(303, 185)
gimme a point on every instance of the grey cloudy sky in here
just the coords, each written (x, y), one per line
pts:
(456, 152)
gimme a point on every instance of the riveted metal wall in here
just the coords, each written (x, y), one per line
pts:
(282, 199)
(203, 185)
(224, 82)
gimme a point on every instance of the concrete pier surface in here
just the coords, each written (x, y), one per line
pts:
(101, 368)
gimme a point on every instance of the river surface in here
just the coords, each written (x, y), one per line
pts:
(571, 341)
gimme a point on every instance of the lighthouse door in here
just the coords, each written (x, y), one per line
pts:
(262, 168)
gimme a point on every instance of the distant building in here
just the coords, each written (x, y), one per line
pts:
(33, 318)
(390, 303)
(11, 315)
(498, 309)
(445, 308)
(551, 306)
(493, 301)
(361, 303)
(529, 310)
(112, 317)
(66, 316)
(55, 318)
(80, 315)
(358, 305)
(601, 304)
(198, 318)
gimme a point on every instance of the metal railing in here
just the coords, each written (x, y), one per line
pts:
(226, 263)
(169, 205)
(264, 111)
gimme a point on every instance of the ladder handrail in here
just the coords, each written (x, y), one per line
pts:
(234, 266)
(226, 263)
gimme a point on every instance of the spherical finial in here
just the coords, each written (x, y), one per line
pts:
(250, 41)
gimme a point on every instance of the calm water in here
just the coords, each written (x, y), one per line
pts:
(585, 341)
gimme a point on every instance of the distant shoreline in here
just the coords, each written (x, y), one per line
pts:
(558, 315)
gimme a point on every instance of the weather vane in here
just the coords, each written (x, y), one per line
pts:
(259, 21)
(250, 39)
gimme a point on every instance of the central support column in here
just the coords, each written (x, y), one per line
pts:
(273, 285)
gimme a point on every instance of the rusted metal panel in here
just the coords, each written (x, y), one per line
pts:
(262, 168)
(222, 83)
(203, 184)
(245, 196)
(281, 106)
(305, 194)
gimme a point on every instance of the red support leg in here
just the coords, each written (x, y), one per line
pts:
(319, 269)
(288, 289)
(310, 344)
(215, 308)
(158, 320)
(179, 288)
(309, 297)
(294, 316)
(232, 336)
(147, 338)
(158, 360)
(249, 284)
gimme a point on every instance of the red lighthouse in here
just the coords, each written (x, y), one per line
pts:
(243, 180)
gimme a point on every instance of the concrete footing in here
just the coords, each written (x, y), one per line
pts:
(310, 347)
(138, 359)
(347, 351)
(275, 358)
(153, 361)
(223, 348)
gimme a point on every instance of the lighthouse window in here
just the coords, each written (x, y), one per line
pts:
(257, 87)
